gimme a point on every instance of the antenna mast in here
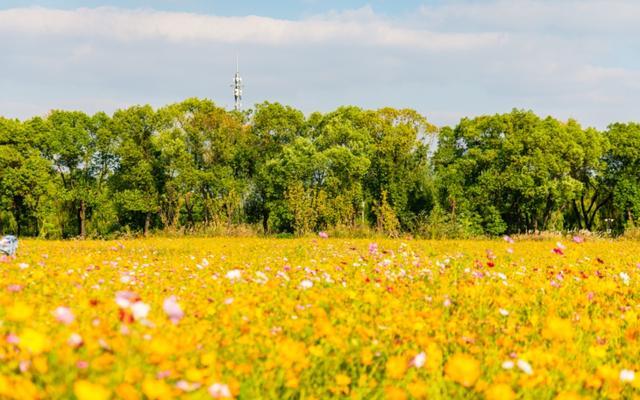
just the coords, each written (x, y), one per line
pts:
(237, 87)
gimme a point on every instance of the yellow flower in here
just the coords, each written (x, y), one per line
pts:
(127, 392)
(499, 391)
(132, 375)
(85, 390)
(160, 348)
(366, 356)
(394, 393)
(20, 311)
(558, 328)
(156, 389)
(568, 396)
(463, 369)
(5, 386)
(343, 380)
(41, 365)
(418, 389)
(598, 351)
(34, 341)
(396, 367)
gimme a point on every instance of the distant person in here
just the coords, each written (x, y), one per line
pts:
(8, 245)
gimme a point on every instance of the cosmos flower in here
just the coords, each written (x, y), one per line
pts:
(419, 360)
(64, 315)
(219, 391)
(525, 367)
(463, 369)
(233, 275)
(627, 375)
(140, 310)
(306, 284)
(172, 309)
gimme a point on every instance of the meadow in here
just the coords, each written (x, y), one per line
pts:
(318, 318)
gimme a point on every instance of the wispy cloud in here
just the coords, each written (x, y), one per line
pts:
(584, 17)
(360, 28)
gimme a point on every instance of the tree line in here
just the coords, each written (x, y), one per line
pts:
(196, 167)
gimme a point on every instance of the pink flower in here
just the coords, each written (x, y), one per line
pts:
(64, 315)
(14, 288)
(578, 239)
(373, 248)
(24, 366)
(220, 391)
(323, 234)
(12, 338)
(508, 239)
(186, 386)
(125, 298)
(172, 309)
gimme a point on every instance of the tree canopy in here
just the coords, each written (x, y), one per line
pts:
(194, 166)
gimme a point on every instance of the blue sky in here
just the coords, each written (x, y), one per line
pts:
(447, 59)
(289, 9)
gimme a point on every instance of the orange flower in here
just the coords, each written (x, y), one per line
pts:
(396, 367)
(500, 391)
(463, 369)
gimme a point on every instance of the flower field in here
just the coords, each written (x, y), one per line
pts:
(320, 318)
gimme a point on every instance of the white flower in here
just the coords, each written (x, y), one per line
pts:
(125, 298)
(219, 391)
(625, 278)
(525, 367)
(627, 375)
(503, 312)
(140, 310)
(23, 265)
(419, 360)
(234, 274)
(306, 284)
(261, 278)
(507, 364)
(74, 340)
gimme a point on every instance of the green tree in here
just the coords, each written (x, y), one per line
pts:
(137, 180)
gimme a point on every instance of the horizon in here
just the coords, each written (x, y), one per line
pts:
(446, 60)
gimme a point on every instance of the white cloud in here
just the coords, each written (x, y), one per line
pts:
(565, 58)
(361, 28)
(591, 17)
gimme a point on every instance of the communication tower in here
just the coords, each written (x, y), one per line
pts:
(237, 88)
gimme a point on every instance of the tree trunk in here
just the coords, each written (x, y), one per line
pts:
(147, 223)
(578, 214)
(265, 221)
(82, 213)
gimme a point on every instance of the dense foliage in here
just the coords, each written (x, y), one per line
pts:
(193, 166)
